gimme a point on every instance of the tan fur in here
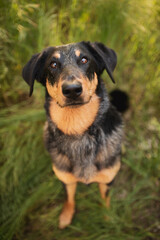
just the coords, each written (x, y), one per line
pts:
(104, 176)
(89, 87)
(74, 120)
(56, 55)
(69, 207)
(108, 200)
(77, 52)
(108, 174)
(65, 177)
(66, 215)
(55, 91)
(103, 189)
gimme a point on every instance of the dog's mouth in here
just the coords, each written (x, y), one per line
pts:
(74, 104)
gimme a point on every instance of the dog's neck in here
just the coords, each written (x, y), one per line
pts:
(74, 120)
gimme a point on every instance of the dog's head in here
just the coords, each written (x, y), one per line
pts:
(70, 72)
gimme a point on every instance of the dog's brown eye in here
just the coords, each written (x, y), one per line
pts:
(53, 65)
(84, 60)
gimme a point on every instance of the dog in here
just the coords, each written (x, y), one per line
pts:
(84, 131)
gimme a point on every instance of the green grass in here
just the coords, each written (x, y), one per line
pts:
(31, 197)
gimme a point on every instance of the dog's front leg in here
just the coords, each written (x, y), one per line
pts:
(104, 191)
(69, 206)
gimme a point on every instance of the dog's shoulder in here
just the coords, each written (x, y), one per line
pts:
(111, 121)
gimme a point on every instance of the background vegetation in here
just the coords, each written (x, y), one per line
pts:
(31, 196)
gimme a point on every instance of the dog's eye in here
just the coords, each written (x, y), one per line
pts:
(53, 65)
(84, 60)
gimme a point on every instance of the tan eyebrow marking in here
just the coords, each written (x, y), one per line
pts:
(56, 55)
(77, 52)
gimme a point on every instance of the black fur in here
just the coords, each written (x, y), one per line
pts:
(120, 100)
(110, 183)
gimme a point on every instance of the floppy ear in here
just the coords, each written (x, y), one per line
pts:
(34, 69)
(109, 58)
(105, 57)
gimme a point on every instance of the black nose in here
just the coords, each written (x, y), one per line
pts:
(71, 90)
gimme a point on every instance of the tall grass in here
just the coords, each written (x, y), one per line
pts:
(31, 196)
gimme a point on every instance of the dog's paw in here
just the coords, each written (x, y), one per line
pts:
(66, 215)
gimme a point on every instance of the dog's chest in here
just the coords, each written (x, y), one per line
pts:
(76, 154)
(82, 155)
(81, 152)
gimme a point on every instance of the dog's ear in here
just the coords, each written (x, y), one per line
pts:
(35, 69)
(109, 58)
(105, 57)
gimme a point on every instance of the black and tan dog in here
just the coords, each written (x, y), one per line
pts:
(83, 132)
